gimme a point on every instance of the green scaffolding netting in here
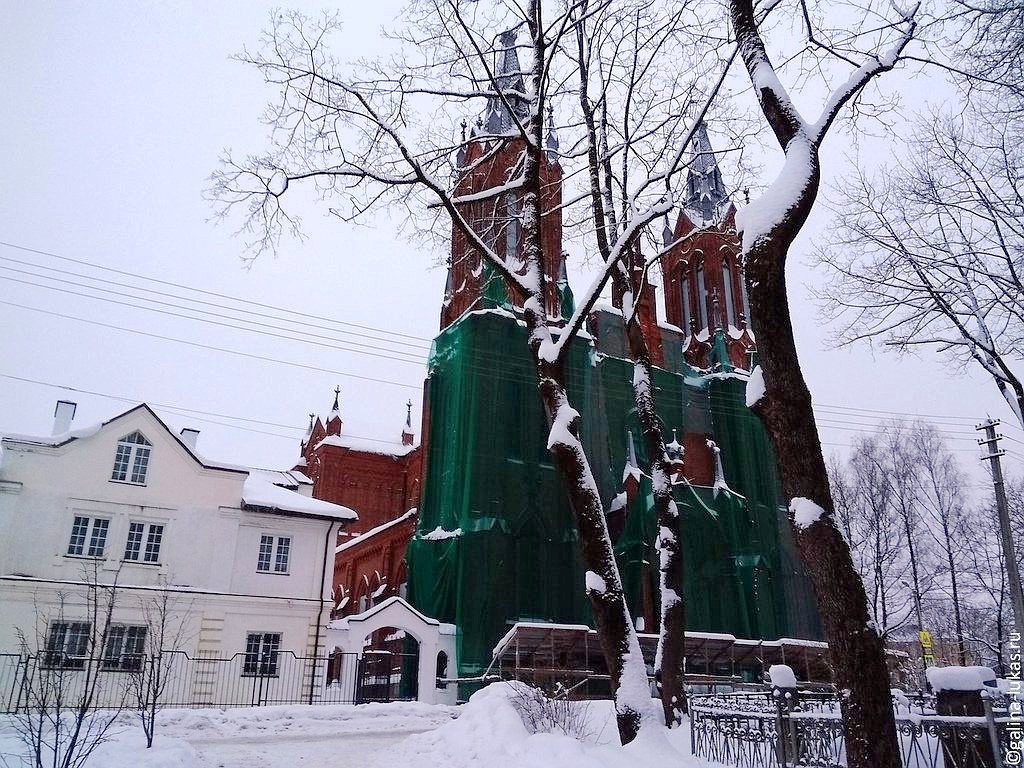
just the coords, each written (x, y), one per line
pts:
(488, 478)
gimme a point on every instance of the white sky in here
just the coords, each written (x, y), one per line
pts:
(115, 116)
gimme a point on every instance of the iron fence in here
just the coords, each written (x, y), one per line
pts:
(779, 730)
(189, 680)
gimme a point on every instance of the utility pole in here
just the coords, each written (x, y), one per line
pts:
(991, 442)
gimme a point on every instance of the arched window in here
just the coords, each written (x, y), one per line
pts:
(512, 231)
(743, 294)
(730, 305)
(684, 295)
(131, 461)
(442, 669)
(702, 299)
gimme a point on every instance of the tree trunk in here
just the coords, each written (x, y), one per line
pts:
(672, 634)
(607, 600)
(857, 651)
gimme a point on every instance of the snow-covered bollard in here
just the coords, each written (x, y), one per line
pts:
(783, 682)
(960, 692)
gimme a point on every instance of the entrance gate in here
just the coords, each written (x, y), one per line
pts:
(395, 673)
(386, 676)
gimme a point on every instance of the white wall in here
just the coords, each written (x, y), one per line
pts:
(209, 549)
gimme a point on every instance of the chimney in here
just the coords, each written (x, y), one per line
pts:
(62, 416)
(189, 437)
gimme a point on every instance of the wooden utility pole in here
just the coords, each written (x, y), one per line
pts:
(991, 442)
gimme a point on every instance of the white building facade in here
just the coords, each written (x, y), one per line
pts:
(243, 558)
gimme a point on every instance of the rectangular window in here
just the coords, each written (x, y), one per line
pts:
(261, 649)
(281, 556)
(98, 539)
(92, 530)
(266, 552)
(141, 464)
(121, 461)
(125, 648)
(274, 552)
(152, 534)
(67, 644)
(156, 535)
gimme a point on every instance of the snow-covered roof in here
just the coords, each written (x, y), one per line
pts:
(360, 538)
(261, 493)
(290, 479)
(87, 432)
(366, 445)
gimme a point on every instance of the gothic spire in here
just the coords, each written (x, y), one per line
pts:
(508, 77)
(706, 195)
(334, 422)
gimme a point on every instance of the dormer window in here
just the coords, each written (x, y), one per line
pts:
(132, 459)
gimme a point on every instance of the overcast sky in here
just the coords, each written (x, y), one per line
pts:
(114, 118)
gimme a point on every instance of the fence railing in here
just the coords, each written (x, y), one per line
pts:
(186, 680)
(772, 730)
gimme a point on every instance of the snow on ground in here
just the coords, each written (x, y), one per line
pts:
(488, 731)
(337, 736)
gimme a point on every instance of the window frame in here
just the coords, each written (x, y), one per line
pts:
(96, 531)
(125, 635)
(141, 550)
(269, 555)
(78, 655)
(131, 459)
(261, 660)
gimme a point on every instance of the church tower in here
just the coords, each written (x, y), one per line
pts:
(705, 291)
(488, 158)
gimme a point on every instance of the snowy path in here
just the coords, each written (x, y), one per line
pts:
(366, 750)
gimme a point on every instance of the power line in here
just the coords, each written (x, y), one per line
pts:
(419, 361)
(825, 421)
(247, 310)
(206, 292)
(193, 413)
(830, 413)
(210, 347)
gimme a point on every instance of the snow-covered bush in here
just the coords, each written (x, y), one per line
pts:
(550, 712)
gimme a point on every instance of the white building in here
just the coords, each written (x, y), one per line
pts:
(247, 556)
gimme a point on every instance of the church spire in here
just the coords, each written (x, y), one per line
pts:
(508, 76)
(706, 195)
(334, 422)
(407, 433)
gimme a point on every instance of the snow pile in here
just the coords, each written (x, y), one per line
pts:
(782, 676)
(755, 386)
(490, 731)
(805, 512)
(955, 678)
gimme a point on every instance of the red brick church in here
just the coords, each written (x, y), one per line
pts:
(705, 305)
(380, 479)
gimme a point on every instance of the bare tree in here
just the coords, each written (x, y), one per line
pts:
(941, 483)
(69, 702)
(769, 226)
(167, 623)
(873, 528)
(986, 576)
(368, 135)
(927, 254)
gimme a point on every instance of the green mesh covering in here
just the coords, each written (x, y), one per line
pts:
(488, 474)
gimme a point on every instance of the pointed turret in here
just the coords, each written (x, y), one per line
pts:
(706, 196)
(551, 142)
(334, 422)
(508, 76)
(407, 433)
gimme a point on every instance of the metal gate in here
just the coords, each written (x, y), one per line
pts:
(387, 676)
